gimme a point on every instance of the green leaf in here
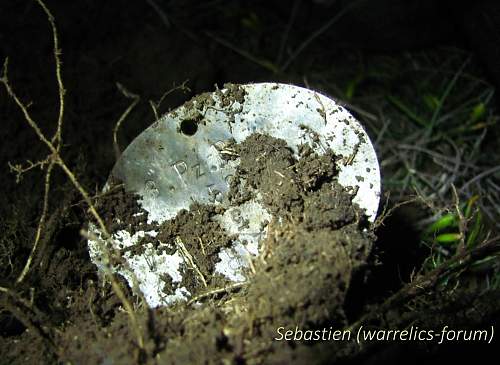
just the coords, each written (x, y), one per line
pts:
(407, 111)
(447, 220)
(476, 230)
(431, 101)
(448, 237)
(470, 204)
(352, 85)
(478, 112)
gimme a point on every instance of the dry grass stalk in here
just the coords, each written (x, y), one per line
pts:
(54, 158)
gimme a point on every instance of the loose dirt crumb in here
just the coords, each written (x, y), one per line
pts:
(203, 238)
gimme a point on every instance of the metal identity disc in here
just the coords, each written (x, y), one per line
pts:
(177, 161)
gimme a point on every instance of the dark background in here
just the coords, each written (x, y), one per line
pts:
(105, 42)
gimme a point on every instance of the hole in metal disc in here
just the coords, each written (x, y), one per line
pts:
(189, 127)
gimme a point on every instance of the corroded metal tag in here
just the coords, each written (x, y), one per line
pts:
(180, 159)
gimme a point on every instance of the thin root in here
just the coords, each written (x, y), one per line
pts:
(209, 293)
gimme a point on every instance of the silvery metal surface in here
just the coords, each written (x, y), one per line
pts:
(177, 160)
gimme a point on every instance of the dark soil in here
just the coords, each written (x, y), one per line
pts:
(117, 202)
(203, 238)
(200, 234)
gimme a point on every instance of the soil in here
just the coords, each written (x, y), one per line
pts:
(200, 234)
(117, 202)
(203, 238)
(316, 242)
